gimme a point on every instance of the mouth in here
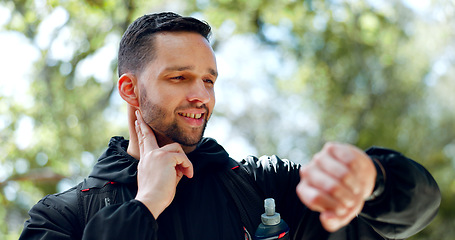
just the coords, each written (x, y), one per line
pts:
(192, 115)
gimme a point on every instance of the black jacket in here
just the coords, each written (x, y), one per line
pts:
(103, 205)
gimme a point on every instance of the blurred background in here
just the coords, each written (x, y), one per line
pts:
(293, 75)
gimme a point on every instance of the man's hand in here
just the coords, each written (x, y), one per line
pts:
(159, 169)
(336, 183)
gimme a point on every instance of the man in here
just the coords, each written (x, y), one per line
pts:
(168, 182)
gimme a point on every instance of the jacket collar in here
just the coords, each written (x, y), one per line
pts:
(115, 164)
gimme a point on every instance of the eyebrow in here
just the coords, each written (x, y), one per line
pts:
(184, 68)
(213, 72)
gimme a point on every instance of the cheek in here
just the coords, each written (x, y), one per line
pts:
(212, 96)
(211, 106)
(153, 109)
(212, 102)
(161, 98)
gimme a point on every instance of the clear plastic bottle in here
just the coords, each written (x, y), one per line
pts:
(272, 226)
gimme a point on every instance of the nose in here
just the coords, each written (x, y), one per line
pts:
(199, 92)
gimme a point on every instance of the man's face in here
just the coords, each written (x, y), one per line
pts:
(176, 88)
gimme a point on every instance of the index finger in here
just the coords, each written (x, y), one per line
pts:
(146, 136)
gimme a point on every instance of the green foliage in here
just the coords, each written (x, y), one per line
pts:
(362, 74)
(336, 70)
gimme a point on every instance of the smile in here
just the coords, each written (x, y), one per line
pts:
(191, 115)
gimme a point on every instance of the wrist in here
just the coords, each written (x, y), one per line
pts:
(152, 205)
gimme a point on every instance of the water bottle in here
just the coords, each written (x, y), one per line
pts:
(272, 226)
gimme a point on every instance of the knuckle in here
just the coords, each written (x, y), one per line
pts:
(334, 189)
(329, 145)
(316, 200)
(340, 173)
(158, 154)
(347, 179)
(174, 144)
(305, 171)
(318, 158)
(141, 136)
(149, 154)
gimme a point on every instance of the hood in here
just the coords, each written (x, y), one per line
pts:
(116, 165)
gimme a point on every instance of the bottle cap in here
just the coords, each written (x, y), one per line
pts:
(270, 217)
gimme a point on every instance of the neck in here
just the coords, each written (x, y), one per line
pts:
(133, 145)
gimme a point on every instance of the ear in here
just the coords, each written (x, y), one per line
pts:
(127, 87)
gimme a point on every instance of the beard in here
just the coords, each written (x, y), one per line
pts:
(155, 116)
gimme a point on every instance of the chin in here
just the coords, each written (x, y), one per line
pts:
(188, 142)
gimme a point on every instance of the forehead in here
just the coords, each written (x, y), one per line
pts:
(180, 50)
(176, 45)
(170, 38)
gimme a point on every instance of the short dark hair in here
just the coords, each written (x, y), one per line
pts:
(137, 48)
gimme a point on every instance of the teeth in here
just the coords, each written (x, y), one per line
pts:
(192, 115)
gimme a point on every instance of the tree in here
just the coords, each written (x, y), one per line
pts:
(320, 70)
(363, 73)
(68, 111)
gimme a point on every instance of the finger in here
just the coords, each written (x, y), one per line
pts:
(320, 180)
(148, 136)
(140, 137)
(347, 155)
(330, 165)
(314, 199)
(332, 222)
(187, 171)
(184, 165)
(173, 147)
(361, 167)
(336, 169)
(342, 152)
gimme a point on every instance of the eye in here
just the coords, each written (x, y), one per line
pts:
(210, 81)
(178, 78)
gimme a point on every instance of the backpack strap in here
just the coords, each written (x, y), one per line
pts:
(246, 194)
(80, 206)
